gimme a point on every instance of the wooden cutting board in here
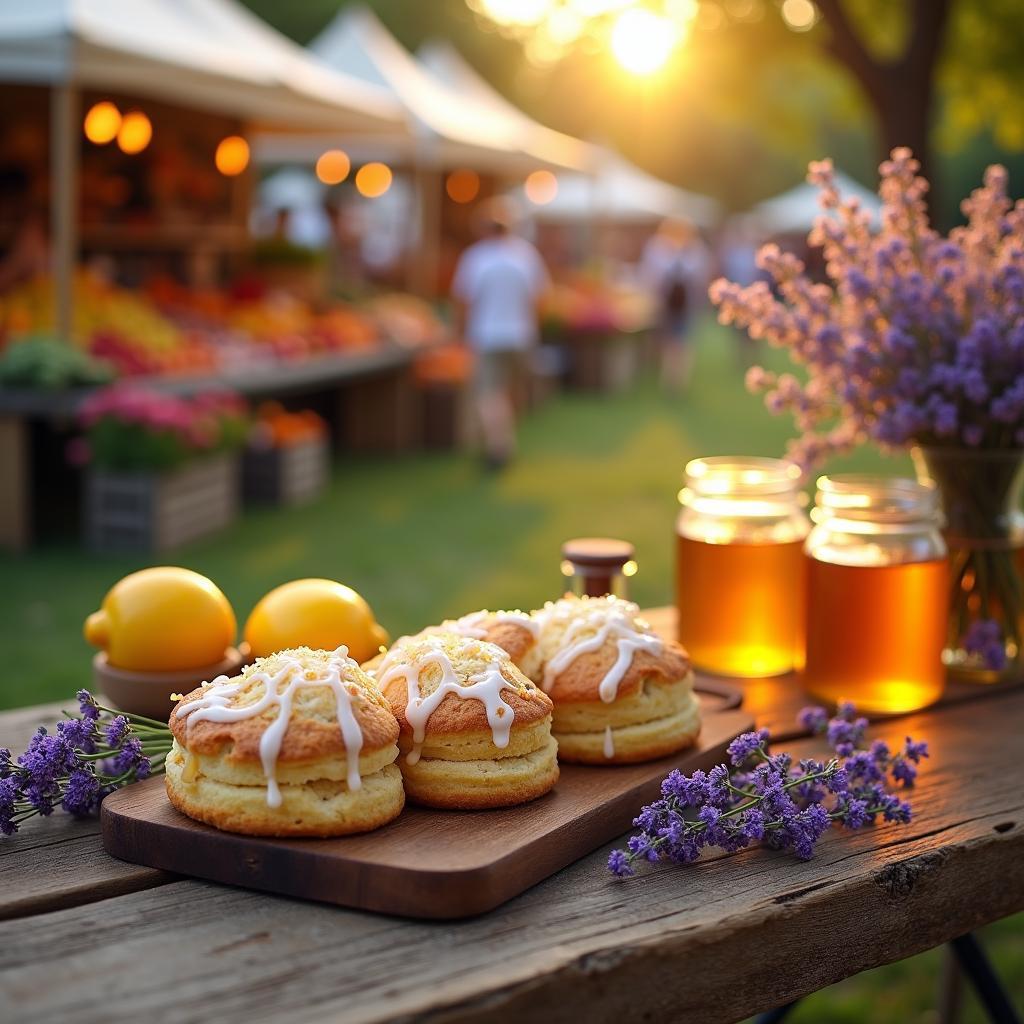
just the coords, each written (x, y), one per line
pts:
(427, 863)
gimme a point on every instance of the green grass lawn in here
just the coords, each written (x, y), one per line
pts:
(426, 537)
(430, 536)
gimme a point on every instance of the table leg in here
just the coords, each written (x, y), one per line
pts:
(975, 964)
(951, 988)
(15, 483)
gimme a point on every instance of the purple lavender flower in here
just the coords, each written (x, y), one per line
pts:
(784, 805)
(984, 639)
(82, 793)
(88, 706)
(116, 731)
(618, 864)
(746, 745)
(896, 300)
(8, 801)
(813, 719)
(914, 751)
(77, 765)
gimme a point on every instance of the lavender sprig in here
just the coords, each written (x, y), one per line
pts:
(766, 798)
(75, 767)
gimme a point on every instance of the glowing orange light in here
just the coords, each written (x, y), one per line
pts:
(799, 15)
(232, 155)
(102, 123)
(373, 180)
(135, 132)
(540, 187)
(333, 166)
(462, 186)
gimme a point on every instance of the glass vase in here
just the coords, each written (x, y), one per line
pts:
(981, 498)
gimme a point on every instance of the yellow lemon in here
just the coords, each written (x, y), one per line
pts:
(163, 619)
(314, 613)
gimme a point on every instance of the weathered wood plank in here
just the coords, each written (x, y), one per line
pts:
(17, 727)
(578, 946)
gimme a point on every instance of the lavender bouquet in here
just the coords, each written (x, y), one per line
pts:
(767, 798)
(76, 766)
(913, 339)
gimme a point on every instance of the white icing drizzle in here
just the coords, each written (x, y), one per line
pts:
(476, 624)
(279, 689)
(607, 622)
(609, 742)
(485, 686)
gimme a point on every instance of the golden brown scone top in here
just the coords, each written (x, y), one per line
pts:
(513, 631)
(572, 620)
(579, 682)
(469, 659)
(313, 731)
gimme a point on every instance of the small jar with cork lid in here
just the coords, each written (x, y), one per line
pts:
(596, 566)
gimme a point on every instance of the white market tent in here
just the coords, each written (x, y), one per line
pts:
(446, 127)
(797, 209)
(617, 190)
(207, 54)
(621, 193)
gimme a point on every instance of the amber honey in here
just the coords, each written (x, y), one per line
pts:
(741, 605)
(875, 633)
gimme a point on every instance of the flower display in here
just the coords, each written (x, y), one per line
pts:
(128, 427)
(765, 797)
(78, 764)
(913, 339)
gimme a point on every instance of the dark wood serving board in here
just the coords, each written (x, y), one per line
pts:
(427, 863)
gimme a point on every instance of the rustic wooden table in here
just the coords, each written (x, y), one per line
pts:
(90, 937)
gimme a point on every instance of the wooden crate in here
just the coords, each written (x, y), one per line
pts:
(601, 362)
(150, 512)
(447, 416)
(291, 475)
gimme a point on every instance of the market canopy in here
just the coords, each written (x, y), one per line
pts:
(620, 193)
(207, 54)
(449, 128)
(617, 191)
(797, 209)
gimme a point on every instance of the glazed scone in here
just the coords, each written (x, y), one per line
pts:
(301, 743)
(514, 632)
(621, 694)
(475, 732)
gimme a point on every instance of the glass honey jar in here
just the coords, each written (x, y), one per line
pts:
(878, 597)
(740, 571)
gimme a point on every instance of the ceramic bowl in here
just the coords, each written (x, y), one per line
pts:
(149, 693)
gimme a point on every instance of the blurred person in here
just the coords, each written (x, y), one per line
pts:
(674, 265)
(498, 284)
(28, 254)
(737, 257)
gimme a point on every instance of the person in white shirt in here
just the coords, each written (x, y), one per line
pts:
(498, 283)
(675, 266)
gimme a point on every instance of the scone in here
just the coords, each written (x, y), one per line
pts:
(475, 732)
(302, 743)
(514, 632)
(621, 693)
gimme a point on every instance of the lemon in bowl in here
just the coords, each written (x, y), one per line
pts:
(160, 630)
(317, 613)
(163, 619)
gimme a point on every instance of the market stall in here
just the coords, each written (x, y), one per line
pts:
(448, 133)
(155, 198)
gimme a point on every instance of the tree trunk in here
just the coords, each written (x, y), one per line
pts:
(900, 92)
